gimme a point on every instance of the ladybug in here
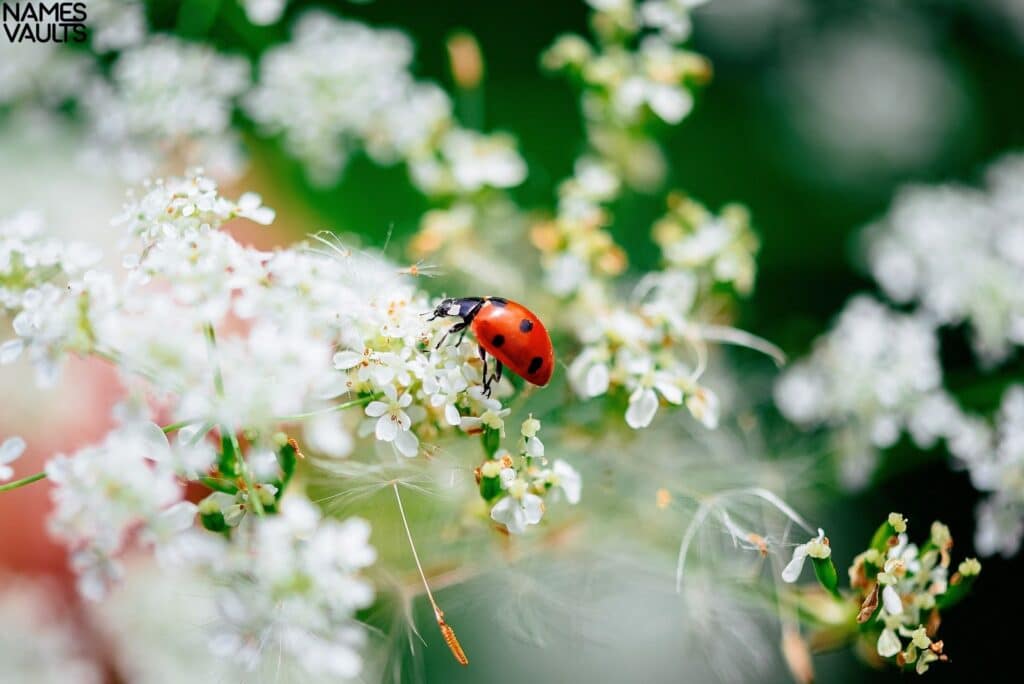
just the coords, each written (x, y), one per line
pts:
(508, 331)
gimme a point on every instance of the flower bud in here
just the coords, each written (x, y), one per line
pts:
(825, 571)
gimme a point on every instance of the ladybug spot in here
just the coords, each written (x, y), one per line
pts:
(498, 301)
(535, 363)
(498, 340)
(525, 325)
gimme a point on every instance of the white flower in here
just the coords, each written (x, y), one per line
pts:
(294, 580)
(891, 600)
(888, 643)
(103, 491)
(643, 402)
(340, 85)
(264, 12)
(566, 478)
(393, 423)
(43, 644)
(671, 103)
(10, 450)
(875, 374)
(703, 405)
(166, 89)
(792, 570)
(470, 161)
(531, 444)
(116, 24)
(589, 373)
(516, 512)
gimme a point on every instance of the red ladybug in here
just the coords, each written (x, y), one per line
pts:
(508, 331)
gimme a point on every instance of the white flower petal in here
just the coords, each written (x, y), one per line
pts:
(508, 513)
(792, 570)
(11, 449)
(597, 380)
(407, 443)
(643, 404)
(10, 351)
(386, 429)
(344, 360)
(891, 601)
(533, 508)
(888, 643)
(569, 480)
(375, 409)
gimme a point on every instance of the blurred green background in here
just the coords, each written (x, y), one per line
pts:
(803, 123)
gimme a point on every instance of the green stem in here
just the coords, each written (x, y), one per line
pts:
(361, 401)
(227, 430)
(22, 482)
(174, 427)
(218, 379)
(250, 485)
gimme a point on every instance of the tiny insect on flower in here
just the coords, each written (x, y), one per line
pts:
(508, 331)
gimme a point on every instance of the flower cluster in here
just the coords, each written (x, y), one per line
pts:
(877, 373)
(518, 487)
(41, 282)
(959, 253)
(340, 86)
(635, 75)
(648, 347)
(116, 24)
(167, 93)
(653, 347)
(293, 581)
(40, 74)
(233, 346)
(873, 376)
(41, 644)
(903, 589)
(995, 460)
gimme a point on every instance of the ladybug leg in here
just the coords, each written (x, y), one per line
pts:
(487, 380)
(461, 326)
(497, 371)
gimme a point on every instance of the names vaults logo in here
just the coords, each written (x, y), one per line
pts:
(44, 22)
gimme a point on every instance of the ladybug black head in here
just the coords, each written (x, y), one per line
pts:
(444, 309)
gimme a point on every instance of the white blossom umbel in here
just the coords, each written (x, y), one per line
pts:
(995, 460)
(874, 375)
(39, 642)
(291, 585)
(340, 86)
(233, 346)
(167, 99)
(959, 253)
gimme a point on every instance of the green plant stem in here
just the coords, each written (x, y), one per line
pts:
(173, 427)
(361, 401)
(227, 430)
(22, 482)
(250, 485)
